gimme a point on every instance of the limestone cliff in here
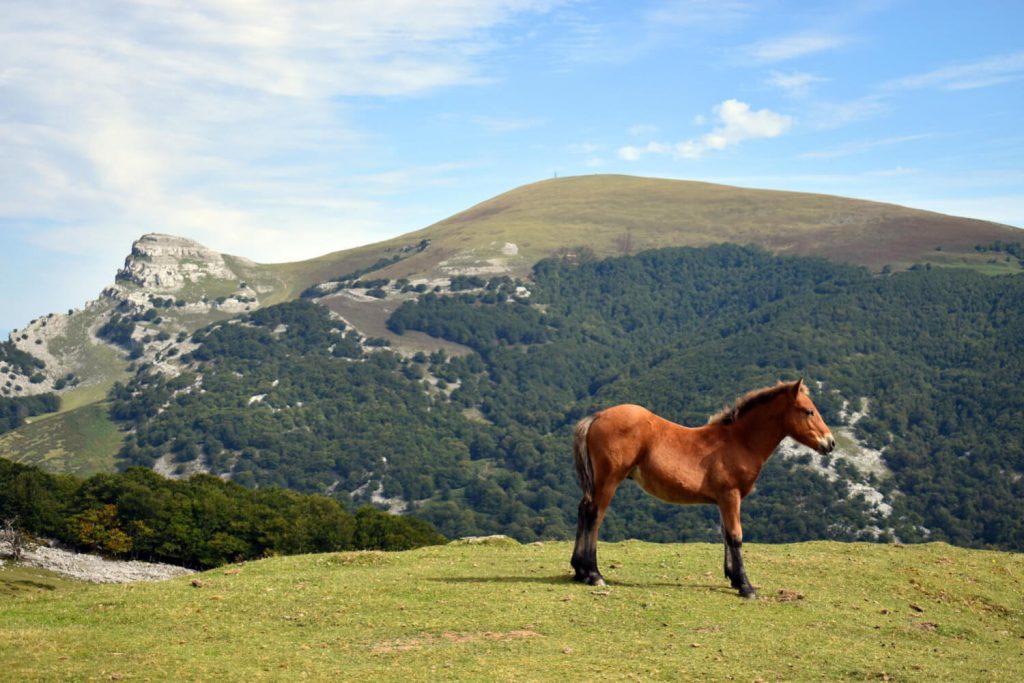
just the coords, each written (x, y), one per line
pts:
(165, 263)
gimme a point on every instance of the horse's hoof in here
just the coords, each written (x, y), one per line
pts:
(596, 581)
(748, 593)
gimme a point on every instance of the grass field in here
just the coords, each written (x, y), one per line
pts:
(506, 612)
(81, 441)
(28, 581)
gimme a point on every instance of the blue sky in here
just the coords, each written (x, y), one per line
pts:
(285, 130)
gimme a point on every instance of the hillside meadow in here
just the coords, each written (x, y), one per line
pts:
(502, 611)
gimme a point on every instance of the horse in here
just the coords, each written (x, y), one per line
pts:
(717, 463)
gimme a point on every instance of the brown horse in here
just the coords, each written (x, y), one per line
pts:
(717, 463)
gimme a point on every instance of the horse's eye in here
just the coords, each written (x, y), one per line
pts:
(809, 412)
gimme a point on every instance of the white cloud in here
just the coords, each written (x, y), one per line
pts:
(796, 84)
(791, 47)
(633, 153)
(736, 122)
(968, 76)
(216, 118)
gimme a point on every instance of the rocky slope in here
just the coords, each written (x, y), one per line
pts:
(94, 568)
(182, 282)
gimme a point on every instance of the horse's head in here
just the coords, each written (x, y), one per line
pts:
(803, 421)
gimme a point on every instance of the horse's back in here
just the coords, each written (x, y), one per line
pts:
(626, 414)
(623, 430)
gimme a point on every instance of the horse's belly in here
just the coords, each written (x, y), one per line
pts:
(671, 487)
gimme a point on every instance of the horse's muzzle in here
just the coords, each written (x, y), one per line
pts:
(827, 445)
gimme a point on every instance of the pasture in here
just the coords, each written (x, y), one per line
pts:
(497, 611)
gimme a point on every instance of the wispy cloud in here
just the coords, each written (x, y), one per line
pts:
(708, 14)
(217, 118)
(790, 47)
(642, 129)
(861, 146)
(983, 73)
(498, 124)
(736, 122)
(584, 148)
(828, 115)
(796, 84)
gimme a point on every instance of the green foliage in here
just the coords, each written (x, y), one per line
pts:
(13, 411)
(462, 282)
(200, 522)
(938, 353)
(97, 529)
(1014, 249)
(269, 400)
(13, 359)
(118, 330)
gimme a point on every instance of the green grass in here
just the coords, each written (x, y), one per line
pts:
(82, 441)
(19, 582)
(827, 611)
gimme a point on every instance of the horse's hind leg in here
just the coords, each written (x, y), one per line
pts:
(584, 555)
(591, 514)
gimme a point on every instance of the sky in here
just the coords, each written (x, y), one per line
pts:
(282, 131)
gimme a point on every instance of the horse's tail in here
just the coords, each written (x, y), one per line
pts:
(581, 456)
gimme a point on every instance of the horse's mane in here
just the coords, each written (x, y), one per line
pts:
(751, 399)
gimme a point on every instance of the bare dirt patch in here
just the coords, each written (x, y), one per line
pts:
(370, 319)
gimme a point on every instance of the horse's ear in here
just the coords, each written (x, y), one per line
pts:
(797, 385)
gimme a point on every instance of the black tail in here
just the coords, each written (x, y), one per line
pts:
(581, 457)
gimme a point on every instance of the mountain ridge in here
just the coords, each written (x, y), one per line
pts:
(505, 235)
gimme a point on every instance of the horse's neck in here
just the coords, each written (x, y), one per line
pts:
(761, 430)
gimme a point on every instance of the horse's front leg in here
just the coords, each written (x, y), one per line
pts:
(732, 533)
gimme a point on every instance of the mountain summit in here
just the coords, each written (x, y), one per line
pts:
(165, 263)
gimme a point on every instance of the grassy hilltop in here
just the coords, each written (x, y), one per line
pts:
(502, 611)
(615, 214)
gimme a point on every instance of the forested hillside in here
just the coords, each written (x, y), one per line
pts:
(201, 523)
(480, 444)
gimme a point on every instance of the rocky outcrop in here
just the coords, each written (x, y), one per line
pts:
(168, 286)
(164, 263)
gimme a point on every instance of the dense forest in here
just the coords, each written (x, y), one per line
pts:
(287, 396)
(202, 522)
(14, 411)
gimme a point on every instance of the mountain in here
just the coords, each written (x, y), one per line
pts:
(444, 369)
(602, 214)
(614, 215)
